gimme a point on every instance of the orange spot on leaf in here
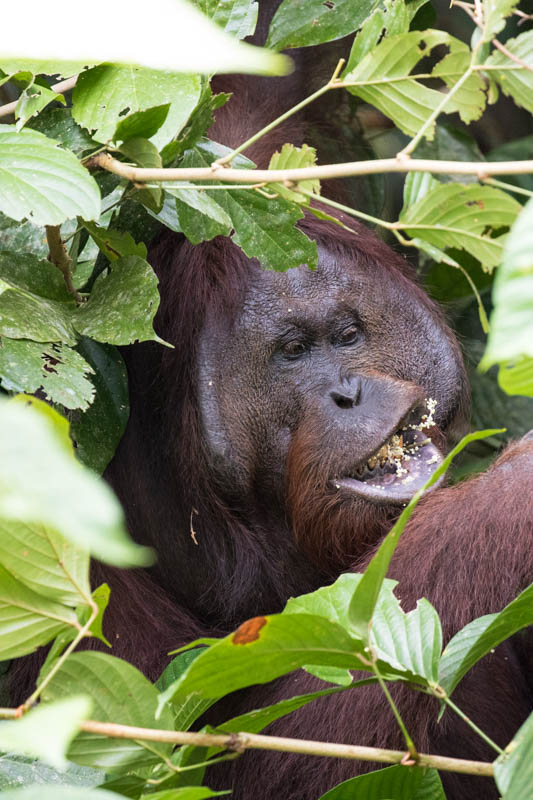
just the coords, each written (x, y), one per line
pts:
(249, 630)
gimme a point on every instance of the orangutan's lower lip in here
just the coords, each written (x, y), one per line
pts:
(394, 480)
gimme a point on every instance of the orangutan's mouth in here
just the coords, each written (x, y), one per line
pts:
(398, 468)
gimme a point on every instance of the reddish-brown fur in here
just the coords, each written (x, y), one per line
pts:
(467, 548)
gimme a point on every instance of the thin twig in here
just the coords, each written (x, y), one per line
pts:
(60, 258)
(59, 88)
(502, 48)
(253, 176)
(239, 742)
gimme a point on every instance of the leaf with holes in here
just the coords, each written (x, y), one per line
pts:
(41, 181)
(299, 23)
(515, 80)
(122, 304)
(106, 93)
(463, 217)
(383, 78)
(60, 372)
(236, 17)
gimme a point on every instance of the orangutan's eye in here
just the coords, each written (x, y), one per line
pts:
(294, 349)
(349, 335)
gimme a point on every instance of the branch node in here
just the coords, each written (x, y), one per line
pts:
(59, 257)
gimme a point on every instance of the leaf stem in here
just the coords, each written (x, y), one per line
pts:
(32, 699)
(472, 724)
(408, 741)
(60, 258)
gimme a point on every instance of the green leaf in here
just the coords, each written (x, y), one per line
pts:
(391, 783)
(42, 181)
(292, 157)
(405, 642)
(367, 592)
(27, 619)
(97, 431)
(514, 80)
(57, 123)
(481, 636)
(517, 378)
(108, 681)
(177, 667)
(200, 216)
(299, 23)
(383, 78)
(105, 93)
(416, 186)
(45, 562)
(145, 154)
(197, 125)
(237, 17)
(463, 217)
(53, 792)
(513, 770)
(33, 100)
(41, 481)
(115, 244)
(141, 124)
(122, 304)
(22, 237)
(511, 335)
(30, 735)
(192, 707)
(17, 771)
(186, 793)
(263, 227)
(264, 648)
(391, 19)
(58, 371)
(173, 36)
(494, 15)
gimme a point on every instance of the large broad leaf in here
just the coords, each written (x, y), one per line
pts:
(263, 227)
(43, 182)
(97, 431)
(17, 771)
(237, 17)
(115, 244)
(513, 770)
(481, 636)
(513, 79)
(122, 304)
(391, 783)
(186, 793)
(517, 378)
(47, 731)
(57, 123)
(405, 642)
(383, 78)
(104, 94)
(27, 619)
(109, 681)
(58, 371)
(41, 481)
(462, 217)
(298, 23)
(45, 562)
(173, 36)
(53, 792)
(511, 335)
